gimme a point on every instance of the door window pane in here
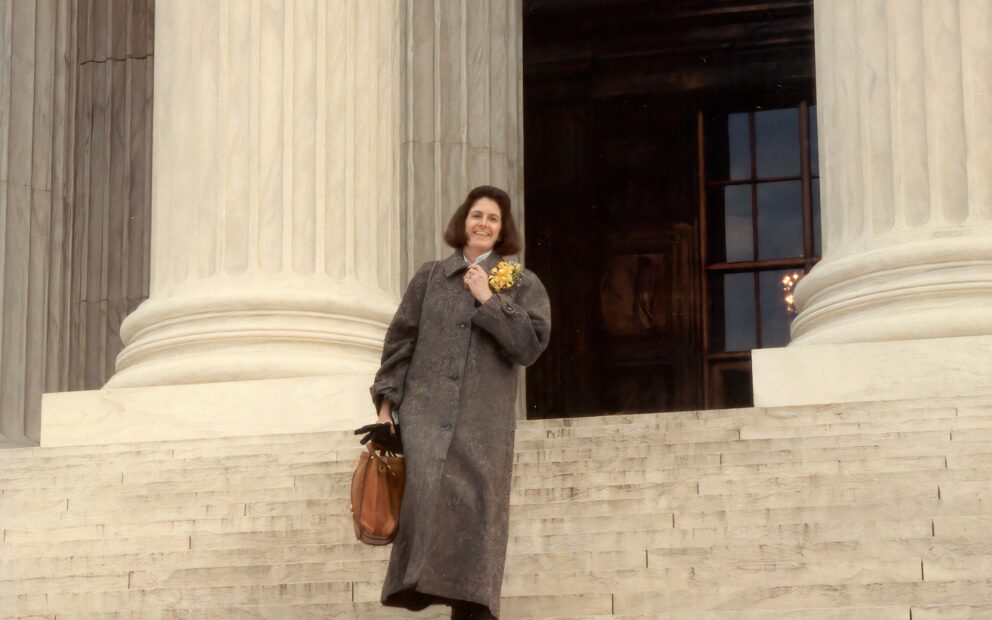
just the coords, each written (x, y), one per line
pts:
(780, 219)
(731, 384)
(740, 146)
(738, 312)
(775, 318)
(737, 222)
(776, 135)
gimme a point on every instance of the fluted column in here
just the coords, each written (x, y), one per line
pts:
(276, 180)
(898, 308)
(464, 95)
(35, 184)
(904, 89)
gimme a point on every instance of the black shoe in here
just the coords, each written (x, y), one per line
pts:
(467, 610)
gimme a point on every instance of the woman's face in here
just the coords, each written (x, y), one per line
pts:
(483, 225)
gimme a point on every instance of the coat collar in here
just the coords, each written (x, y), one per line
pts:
(456, 263)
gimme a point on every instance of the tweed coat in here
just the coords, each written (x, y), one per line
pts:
(450, 366)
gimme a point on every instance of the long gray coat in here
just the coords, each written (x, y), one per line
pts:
(451, 367)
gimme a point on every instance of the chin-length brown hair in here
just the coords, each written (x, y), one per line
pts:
(509, 242)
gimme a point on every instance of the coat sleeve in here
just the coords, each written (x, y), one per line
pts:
(522, 325)
(400, 341)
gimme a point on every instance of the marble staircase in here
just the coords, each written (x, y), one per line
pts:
(865, 510)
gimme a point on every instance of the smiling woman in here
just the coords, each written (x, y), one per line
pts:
(449, 370)
(482, 228)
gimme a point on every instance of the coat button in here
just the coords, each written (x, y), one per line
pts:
(453, 376)
(463, 324)
(509, 309)
(446, 426)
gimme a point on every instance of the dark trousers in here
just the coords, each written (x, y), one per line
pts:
(467, 610)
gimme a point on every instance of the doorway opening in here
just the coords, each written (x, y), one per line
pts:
(671, 190)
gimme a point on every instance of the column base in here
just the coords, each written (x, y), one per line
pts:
(868, 371)
(198, 411)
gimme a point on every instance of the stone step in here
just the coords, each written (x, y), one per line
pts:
(176, 468)
(966, 429)
(643, 457)
(953, 519)
(650, 501)
(652, 457)
(790, 490)
(635, 425)
(849, 510)
(911, 497)
(123, 600)
(583, 448)
(777, 417)
(656, 602)
(763, 452)
(544, 607)
(362, 581)
(593, 486)
(951, 612)
(529, 608)
(730, 577)
(623, 472)
(337, 530)
(341, 524)
(685, 510)
(64, 566)
(331, 443)
(937, 549)
(660, 424)
(819, 491)
(321, 599)
(795, 533)
(603, 446)
(641, 498)
(967, 405)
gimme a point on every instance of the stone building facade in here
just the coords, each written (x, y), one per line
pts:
(262, 177)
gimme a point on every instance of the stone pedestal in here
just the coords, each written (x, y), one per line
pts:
(905, 117)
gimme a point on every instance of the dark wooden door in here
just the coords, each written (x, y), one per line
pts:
(614, 185)
(612, 224)
(649, 285)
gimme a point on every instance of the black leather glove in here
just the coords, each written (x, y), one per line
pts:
(384, 435)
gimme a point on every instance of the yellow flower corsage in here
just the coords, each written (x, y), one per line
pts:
(504, 275)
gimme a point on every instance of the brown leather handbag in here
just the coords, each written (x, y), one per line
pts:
(376, 495)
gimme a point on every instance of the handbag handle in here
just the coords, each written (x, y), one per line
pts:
(373, 449)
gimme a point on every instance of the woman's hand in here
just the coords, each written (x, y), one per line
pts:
(477, 282)
(386, 412)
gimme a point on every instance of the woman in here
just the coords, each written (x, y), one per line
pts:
(449, 369)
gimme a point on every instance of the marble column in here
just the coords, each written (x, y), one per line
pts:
(306, 157)
(904, 93)
(36, 52)
(276, 184)
(464, 96)
(464, 99)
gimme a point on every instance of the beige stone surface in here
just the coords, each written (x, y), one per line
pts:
(35, 185)
(850, 510)
(228, 409)
(890, 370)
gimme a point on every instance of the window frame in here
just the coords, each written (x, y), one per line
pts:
(713, 359)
